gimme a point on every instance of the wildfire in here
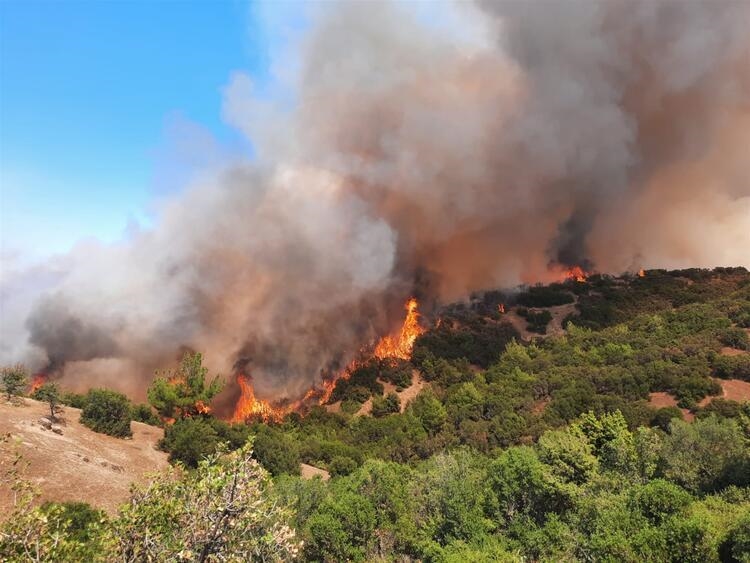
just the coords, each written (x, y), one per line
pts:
(400, 346)
(37, 381)
(202, 407)
(641, 273)
(392, 346)
(250, 407)
(577, 273)
(501, 308)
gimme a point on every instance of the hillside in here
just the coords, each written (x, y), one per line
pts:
(80, 464)
(605, 418)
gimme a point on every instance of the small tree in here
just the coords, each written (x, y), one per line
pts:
(15, 379)
(183, 392)
(107, 412)
(223, 511)
(50, 394)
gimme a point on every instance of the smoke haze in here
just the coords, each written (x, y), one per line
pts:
(522, 138)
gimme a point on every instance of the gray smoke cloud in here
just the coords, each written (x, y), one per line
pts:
(520, 139)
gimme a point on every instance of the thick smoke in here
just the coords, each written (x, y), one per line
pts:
(528, 137)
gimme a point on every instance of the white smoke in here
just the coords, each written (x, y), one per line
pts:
(450, 157)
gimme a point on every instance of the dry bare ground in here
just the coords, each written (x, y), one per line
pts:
(732, 389)
(80, 464)
(310, 471)
(727, 351)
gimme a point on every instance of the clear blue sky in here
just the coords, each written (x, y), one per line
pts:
(88, 90)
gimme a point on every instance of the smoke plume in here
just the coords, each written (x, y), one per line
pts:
(522, 138)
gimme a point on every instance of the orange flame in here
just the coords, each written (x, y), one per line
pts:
(501, 308)
(577, 273)
(202, 407)
(400, 346)
(641, 273)
(37, 381)
(250, 407)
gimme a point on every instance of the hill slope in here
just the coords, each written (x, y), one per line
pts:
(80, 464)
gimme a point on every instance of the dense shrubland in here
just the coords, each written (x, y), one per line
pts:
(544, 450)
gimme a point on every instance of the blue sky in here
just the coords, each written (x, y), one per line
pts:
(92, 95)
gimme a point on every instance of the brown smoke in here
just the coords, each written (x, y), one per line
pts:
(608, 134)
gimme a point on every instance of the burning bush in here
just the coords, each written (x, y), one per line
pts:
(184, 392)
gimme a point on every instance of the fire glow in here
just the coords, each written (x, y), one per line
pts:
(37, 381)
(577, 273)
(398, 345)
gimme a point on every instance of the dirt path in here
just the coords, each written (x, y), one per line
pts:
(80, 464)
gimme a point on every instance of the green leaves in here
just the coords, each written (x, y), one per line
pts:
(184, 392)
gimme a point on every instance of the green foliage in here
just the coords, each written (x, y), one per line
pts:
(362, 382)
(141, 412)
(107, 412)
(734, 337)
(476, 339)
(225, 510)
(383, 406)
(50, 394)
(181, 393)
(706, 455)
(538, 321)
(546, 451)
(75, 400)
(14, 380)
(659, 499)
(429, 411)
(732, 367)
(189, 441)
(78, 521)
(276, 451)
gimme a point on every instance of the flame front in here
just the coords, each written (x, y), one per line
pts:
(400, 346)
(641, 273)
(577, 273)
(501, 308)
(37, 381)
(250, 407)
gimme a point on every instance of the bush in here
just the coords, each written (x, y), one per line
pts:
(276, 451)
(189, 441)
(14, 380)
(78, 520)
(75, 400)
(664, 416)
(145, 414)
(735, 337)
(382, 406)
(732, 367)
(538, 321)
(107, 412)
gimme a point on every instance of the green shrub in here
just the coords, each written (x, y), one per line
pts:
(14, 379)
(382, 406)
(75, 400)
(107, 412)
(142, 412)
(189, 440)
